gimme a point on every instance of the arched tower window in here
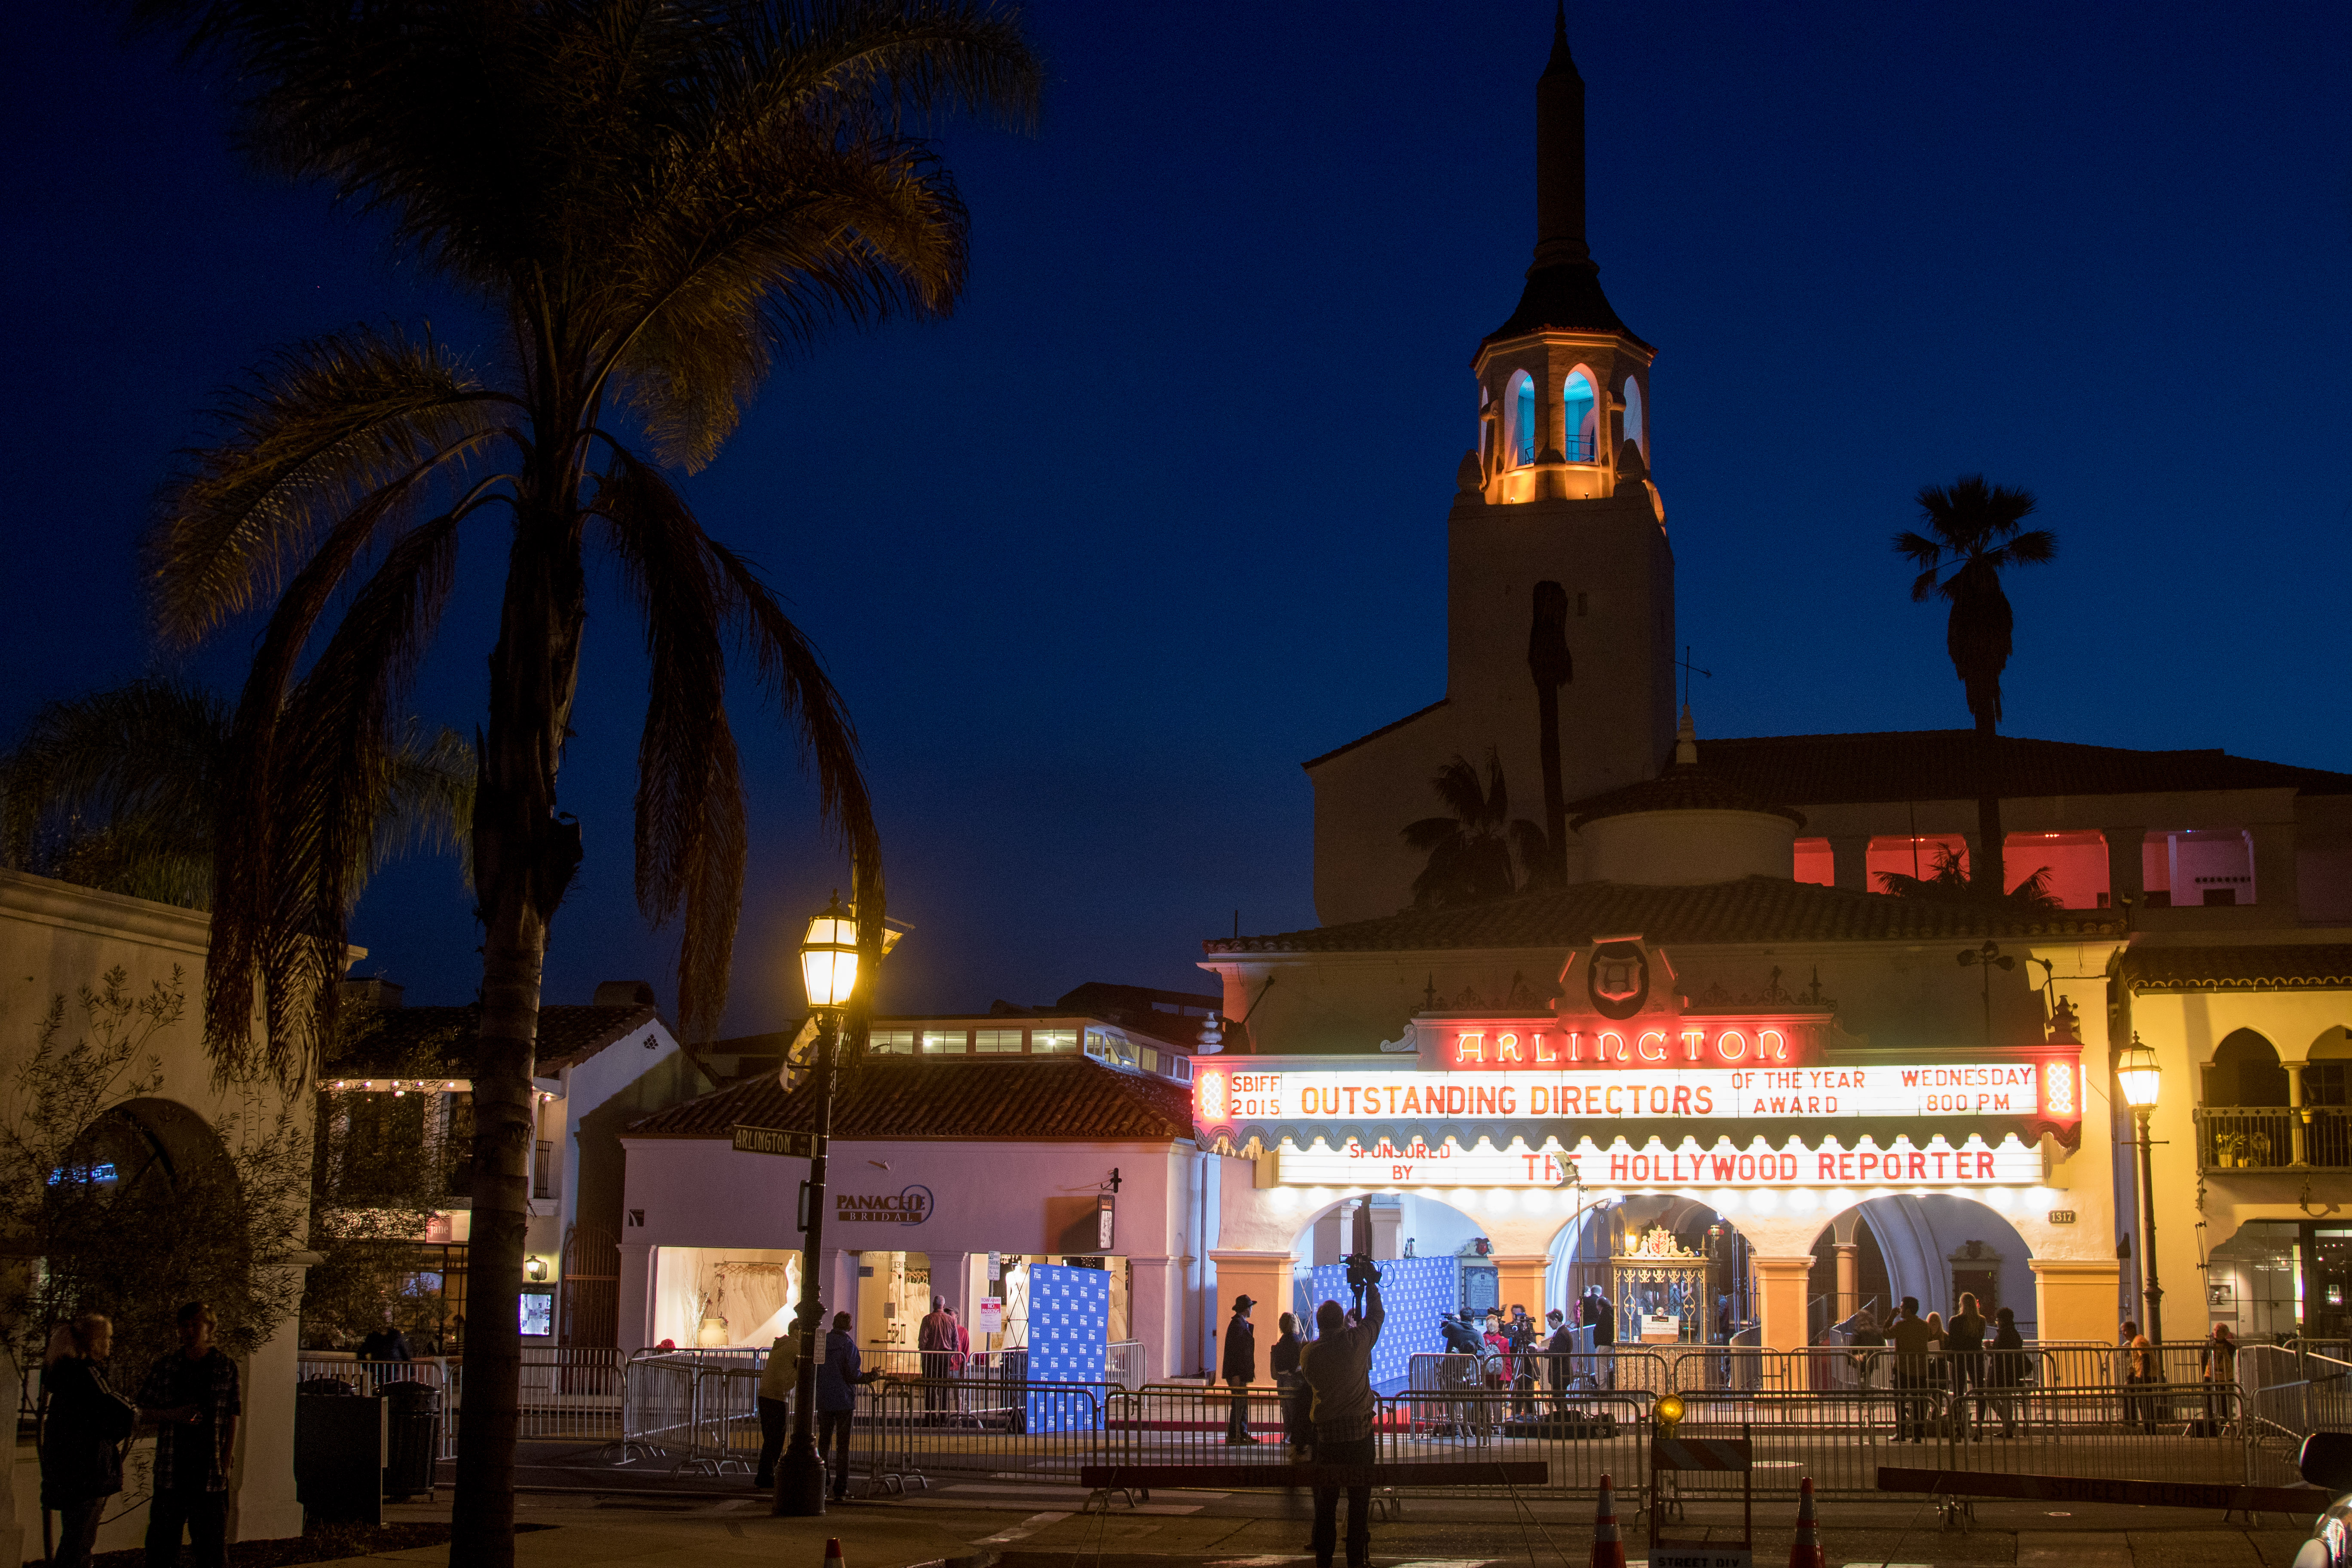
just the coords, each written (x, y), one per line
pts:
(1633, 416)
(1520, 399)
(1581, 423)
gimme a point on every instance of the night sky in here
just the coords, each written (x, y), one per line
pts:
(1160, 513)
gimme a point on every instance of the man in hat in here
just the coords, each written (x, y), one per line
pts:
(1239, 1366)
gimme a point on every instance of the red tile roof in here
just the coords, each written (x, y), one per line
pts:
(1940, 764)
(1753, 909)
(2284, 966)
(897, 1097)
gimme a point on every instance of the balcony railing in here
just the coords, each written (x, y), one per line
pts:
(2262, 1138)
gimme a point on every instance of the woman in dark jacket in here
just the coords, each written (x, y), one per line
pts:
(83, 1428)
(838, 1377)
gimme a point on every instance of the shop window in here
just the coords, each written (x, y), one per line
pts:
(1579, 418)
(891, 1042)
(1052, 1042)
(944, 1042)
(996, 1042)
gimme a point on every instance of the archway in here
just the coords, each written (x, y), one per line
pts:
(1579, 418)
(1934, 1247)
(1656, 1257)
(1635, 435)
(1522, 440)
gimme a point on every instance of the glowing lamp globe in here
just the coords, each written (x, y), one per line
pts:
(2136, 1069)
(829, 958)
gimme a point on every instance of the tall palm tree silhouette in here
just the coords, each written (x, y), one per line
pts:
(1974, 526)
(1477, 851)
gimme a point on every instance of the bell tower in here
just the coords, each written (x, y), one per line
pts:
(1559, 490)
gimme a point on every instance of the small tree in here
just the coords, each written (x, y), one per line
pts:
(129, 1204)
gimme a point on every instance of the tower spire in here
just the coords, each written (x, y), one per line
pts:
(1559, 155)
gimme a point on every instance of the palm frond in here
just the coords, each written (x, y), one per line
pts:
(1427, 834)
(343, 425)
(131, 766)
(691, 838)
(1457, 789)
(326, 778)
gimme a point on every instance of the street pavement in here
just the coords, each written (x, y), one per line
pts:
(654, 1521)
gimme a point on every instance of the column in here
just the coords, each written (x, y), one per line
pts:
(2298, 1123)
(1781, 1284)
(1265, 1278)
(2075, 1298)
(1848, 1289)
(2126, 867)
(951, 1281)
(636, 1305)
(1850, 856)
(1386, 1224)
(1521, 1280)
(1154, 1294)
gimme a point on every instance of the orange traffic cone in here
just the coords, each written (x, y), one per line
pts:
(833, 1552)
(1608, 1547)
(1806, 1552)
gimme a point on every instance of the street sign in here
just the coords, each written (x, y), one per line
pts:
(774, 1140)
(1701, 1557)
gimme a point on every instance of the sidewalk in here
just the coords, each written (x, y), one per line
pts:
(1009, 1525)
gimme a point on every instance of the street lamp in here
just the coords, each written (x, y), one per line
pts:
(2141, 1079)
(829, 962)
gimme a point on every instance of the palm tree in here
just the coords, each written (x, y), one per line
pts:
(120, 790)
(656, 200)
(1975, 526)
(1948, 880)
(1549, 664)
(1476, 851)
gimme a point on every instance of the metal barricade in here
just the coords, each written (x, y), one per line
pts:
(929, 1425)
(1838, 1439)
(1189, 1423)
(657, 1409)
(565, 1392)
(1581, 1435)
(2148, 1431)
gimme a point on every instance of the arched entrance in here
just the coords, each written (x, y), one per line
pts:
(1655, 1258)
(1932, 1248)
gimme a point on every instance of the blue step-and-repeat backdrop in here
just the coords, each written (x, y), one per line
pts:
(1070, 1325)
(1414, 1293)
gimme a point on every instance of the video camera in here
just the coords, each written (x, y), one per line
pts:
(1361, 1273)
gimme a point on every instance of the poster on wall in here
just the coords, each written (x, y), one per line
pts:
(991, 1315)
(1069, 1331)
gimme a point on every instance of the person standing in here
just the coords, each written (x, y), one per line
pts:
(936, 1338)
(1238, 1366)
(1964, 1342)
(2005, 1371)
(1602, 1319)
(83, 1425)
(385, 1352)
(2219, 1367)
(1869, 1339)
(1283, 1362)
(2140, 1368)
(1558, 1349)
(1914, 1343)
(778, 1379)
(1338, 1369)
(838, 1378)
(192, 1397)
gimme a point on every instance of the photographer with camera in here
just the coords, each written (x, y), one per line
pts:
(1338, 1371)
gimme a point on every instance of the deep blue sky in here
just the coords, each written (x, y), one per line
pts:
(1160, 513)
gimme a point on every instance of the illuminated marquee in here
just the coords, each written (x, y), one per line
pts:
(1508, 1045)
(1937, 1163)
(2046, 1089)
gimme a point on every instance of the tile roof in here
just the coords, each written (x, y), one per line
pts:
(439, 1041)
(1683, 786)
(1752, 908)
(1940, 764)
(1028, 1097)
(2285, 966)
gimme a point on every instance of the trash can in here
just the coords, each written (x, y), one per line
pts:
(413, 1444)
(339, 1450)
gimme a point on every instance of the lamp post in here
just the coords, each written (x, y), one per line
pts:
(829, 964)
(2141, 1079)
